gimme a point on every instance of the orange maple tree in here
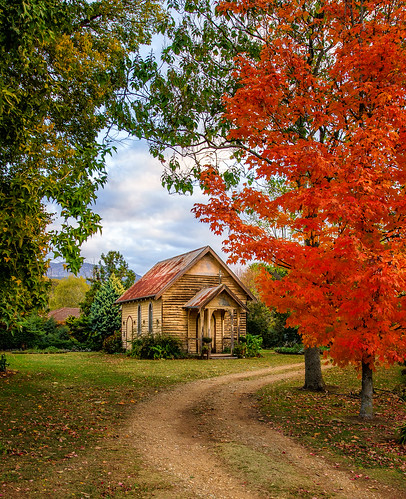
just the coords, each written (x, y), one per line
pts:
(324, 112)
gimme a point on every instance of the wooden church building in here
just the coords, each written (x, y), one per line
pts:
(189, 296)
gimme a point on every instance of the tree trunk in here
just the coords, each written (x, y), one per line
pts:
(313, 377)
(367, 392)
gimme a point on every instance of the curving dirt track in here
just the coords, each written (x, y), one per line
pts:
(206, 439)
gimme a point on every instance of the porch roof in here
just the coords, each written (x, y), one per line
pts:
(206, 295)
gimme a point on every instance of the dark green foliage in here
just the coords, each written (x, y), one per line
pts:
(293, 350)
(113, 264)
(40, 333)
(113, 343)
(254, 344)
(79, 328)
(282, 335)
(206, 346)
(62, 77)
(240, 350)
(260, 322)
(105, 315)
(270, 325)
(87, 327)
(22, 265)
(3, 363)
(157, 347)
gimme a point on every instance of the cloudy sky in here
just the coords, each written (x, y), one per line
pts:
(141, 219)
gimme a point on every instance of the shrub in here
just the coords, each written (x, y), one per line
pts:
(248, 346)
(157, 347)
(37, 332)
(79, 328)
(254, 344)
(113, 343)
(105, 315)
(206, 346)
(270, 325)
(293, 350)
(240, 350)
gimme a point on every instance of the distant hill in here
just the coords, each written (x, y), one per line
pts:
(57, 270)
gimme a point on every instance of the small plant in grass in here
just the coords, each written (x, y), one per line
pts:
(3, 363)
(402, 435)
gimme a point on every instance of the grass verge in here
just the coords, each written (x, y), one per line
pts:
(328, 424)
(63, 420)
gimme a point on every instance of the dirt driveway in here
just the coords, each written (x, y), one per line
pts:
(207, 439)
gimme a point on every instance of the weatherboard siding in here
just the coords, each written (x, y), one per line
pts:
(175, 317)
(130, 320)
(176, 284)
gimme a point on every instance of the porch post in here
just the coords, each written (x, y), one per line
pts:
(202, 314)
(187, 331)
(209, 331)
(209, 314)
(223, 316)
(232, 330)
(238, 324)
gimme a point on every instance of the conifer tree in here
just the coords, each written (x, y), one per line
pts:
(105, 315)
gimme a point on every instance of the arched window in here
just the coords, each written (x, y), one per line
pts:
(129, 331)
(139, 323)
(150, 315)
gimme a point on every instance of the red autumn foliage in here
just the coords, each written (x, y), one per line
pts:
(324, 109)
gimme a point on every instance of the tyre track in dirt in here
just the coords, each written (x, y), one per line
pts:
(193, 436)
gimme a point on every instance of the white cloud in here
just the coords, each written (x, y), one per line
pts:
(141, 219)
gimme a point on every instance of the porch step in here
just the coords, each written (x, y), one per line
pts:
(222, 356)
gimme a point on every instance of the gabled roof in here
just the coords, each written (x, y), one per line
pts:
(61, 314)
(204, 296)
(164, 274)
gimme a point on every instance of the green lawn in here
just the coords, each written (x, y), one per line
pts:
(328, 423)
(58, 411)
(61, 416)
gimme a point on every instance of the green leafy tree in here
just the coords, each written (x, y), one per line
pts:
(325, 109)
(39, 333)
(262, 320)
(113, 263)
(68, 292)
(63, 74)
(110, 265)
(105, 316)
(180, 106)
(176, 101)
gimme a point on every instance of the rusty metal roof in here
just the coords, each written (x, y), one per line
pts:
(204, 296)
(61, 314)
(162, 275)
